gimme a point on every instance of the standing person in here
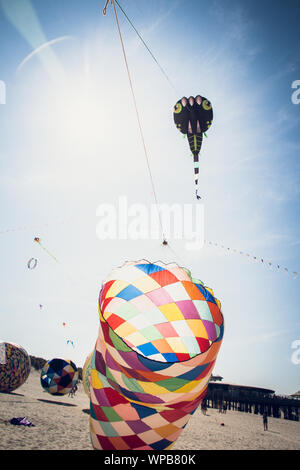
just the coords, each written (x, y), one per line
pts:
(265, 421)
(73, 391)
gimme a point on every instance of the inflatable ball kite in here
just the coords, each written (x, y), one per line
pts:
(59, 376)
(14, 366)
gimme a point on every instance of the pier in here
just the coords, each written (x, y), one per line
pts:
(251, 400)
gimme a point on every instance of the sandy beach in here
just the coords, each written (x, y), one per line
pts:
(62, 423)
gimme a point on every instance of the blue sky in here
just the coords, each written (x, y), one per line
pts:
(69, 141)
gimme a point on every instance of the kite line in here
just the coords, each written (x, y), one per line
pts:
(136, 110)
(148, 49)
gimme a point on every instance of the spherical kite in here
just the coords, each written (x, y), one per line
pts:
(14, 366)
(159, 336)
(86, 373)
(59, 376)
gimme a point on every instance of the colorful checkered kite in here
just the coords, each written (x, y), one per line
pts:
(86, 374)
(14, 366)
(159, 336)
(59, 376)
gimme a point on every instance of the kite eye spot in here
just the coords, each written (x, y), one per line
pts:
(206, 105)
(177, 108)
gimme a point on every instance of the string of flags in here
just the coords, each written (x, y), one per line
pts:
(256, 259)
(27, 227)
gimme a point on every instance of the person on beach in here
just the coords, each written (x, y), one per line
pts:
(73, 391)
(203, 408)
(265, 421)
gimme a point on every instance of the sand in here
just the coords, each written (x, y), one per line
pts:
(62, 423)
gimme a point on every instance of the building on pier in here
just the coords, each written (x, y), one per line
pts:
(250, 399)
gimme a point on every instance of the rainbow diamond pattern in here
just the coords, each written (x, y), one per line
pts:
(14, 366)
(86, 373)
(159, 336)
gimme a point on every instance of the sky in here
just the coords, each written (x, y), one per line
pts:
(70, 146)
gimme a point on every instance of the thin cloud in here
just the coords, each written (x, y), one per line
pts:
(41, 48)
(262, 338)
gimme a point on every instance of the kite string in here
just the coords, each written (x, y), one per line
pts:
(137, 114)
(148, 49)
(176, 255)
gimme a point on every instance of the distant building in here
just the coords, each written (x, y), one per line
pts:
(215, 378)
(238, 392)
(249, 399)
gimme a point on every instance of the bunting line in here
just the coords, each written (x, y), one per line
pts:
(256, 259)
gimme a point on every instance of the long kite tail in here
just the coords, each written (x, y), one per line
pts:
(196, 173)
(37, 240)
(195, 142)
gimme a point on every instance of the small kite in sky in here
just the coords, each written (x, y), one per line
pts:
(32, 263)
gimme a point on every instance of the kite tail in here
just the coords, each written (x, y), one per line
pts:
(45, 249)
(196, 172)
(195, 142)
(50, 254)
